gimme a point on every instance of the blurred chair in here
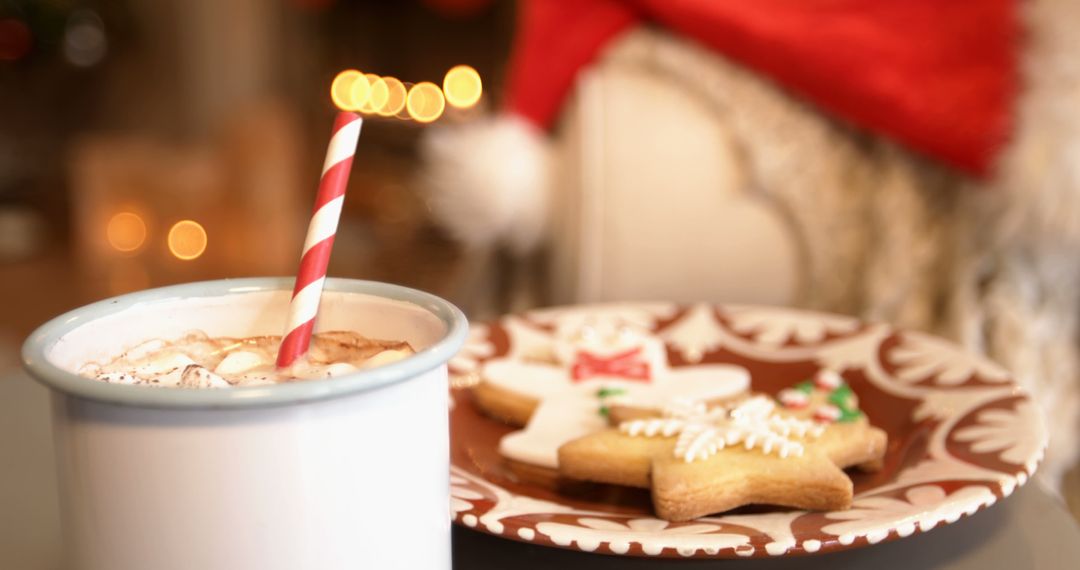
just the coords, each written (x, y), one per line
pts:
(653, 200)
(683, 176)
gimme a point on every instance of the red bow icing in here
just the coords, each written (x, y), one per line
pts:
(629, 365)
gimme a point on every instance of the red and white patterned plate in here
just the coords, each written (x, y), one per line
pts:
(962, 435)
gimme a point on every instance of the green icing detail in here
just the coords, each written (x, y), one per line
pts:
(849, 415)
(841, 396)
(607, 392)
(602, 393)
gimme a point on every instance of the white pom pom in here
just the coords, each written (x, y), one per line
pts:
(487, 181)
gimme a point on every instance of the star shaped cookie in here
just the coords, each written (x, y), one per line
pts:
(701, 459)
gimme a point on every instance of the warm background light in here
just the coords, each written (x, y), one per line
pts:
(187, 240)
(389, 97)
(359, 93)
(395, 98)
(377, 95)
(126, 232)
(349, 91)
(425, 102)
(403, 113)
(462, 86)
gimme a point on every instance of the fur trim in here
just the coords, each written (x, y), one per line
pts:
(487, 181)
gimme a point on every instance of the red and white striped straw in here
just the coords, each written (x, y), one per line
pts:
(320, 238)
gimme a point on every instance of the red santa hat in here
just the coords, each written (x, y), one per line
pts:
(937, 77)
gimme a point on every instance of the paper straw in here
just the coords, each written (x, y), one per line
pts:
(311, 276)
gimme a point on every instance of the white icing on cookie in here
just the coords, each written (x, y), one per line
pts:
(555, 422)
(527, 341)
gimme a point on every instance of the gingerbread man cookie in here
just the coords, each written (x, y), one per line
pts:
(700, 459)
(565, 390)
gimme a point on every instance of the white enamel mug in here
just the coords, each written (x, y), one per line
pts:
(340, 473)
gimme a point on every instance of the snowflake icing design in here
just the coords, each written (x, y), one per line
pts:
(703, 432)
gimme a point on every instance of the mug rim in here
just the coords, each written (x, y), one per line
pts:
(37, 346)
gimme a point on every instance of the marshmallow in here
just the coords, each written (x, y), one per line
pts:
(240, 361)
(196, 376)
(385, 357)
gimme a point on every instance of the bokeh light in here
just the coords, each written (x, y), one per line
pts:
(359, 93)
(462, 86)
(126, 231)
(378, 94)
(425, 102)
(187, 240)
(350, 90)
(85, 43)
(395, 97)
(403, 113)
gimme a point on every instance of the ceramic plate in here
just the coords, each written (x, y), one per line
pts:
(962, 435)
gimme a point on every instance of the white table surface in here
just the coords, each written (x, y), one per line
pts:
(1031, 529)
